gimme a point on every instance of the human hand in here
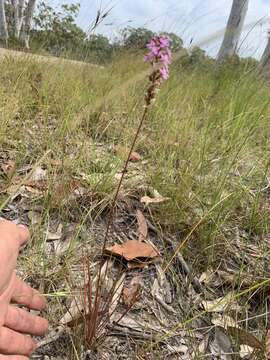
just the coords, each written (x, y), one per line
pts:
(16, 323)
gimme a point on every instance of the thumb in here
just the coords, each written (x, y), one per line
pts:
(15, 232)
(23, 234)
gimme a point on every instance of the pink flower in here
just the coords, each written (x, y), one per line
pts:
(164, 72)
(160, 55)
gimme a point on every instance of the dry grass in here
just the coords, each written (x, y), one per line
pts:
(205, 146)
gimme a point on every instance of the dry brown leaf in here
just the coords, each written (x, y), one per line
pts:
(131, 292)
(133, 249)
(245, 338)
(143, 229)
(153, 200)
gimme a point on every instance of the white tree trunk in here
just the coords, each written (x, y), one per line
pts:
(233, 30)
(265, 59)
(27, 25)
(18, 16)
(3, 23)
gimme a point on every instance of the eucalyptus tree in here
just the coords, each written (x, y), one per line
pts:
(233, 30)
(3, 23)
(27, 24)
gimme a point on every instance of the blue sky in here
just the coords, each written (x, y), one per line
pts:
(191, 19)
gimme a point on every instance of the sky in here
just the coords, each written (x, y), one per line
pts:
(199, 21)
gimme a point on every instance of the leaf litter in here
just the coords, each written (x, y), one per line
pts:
(158, 296)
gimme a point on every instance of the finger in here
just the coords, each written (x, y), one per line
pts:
(12, 342)
(19, 233)
(22, 321)
(24, 234)
(25, 295)
(13, 357)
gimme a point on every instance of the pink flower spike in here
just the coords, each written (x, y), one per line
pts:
(164, 42)
(164, 72)
(159, 55)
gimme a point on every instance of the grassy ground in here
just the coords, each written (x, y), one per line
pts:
(205, 145)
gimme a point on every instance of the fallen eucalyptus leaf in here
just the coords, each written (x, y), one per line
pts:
(143, 229)
(133, 249)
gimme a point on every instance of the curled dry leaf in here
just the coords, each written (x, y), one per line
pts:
(131, 292)
(133, 249)
(143, 229)
(155, 199)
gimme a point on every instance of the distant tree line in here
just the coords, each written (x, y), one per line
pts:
(55, 31)
(35, 24)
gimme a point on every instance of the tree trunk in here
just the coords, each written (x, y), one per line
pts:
(265, 59)
(27, 25)
(15, 18)
(18, 17)
(3, 23)
(233, 30)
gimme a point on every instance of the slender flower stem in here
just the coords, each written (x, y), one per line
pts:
(122, 178)
(110, 220)
(159, 58)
